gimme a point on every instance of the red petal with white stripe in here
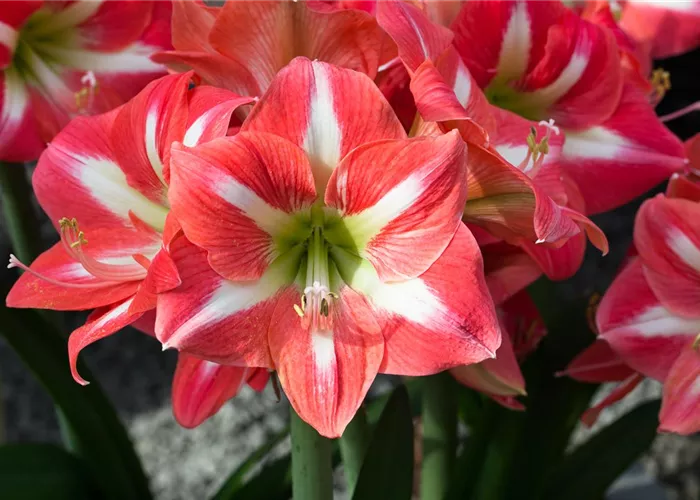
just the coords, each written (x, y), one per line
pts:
(326, 374)
(442, 319)
(668, 241)
(200, 388)
(19, 135)
(101, 323)
(679, 411)
(591, 415)
(11, 21)
(646, 335)
(400, 202)
(623, 157)
(598, 363)
(215, 319)
(333, 111)
(244, 190)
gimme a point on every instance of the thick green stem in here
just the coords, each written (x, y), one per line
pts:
(312, 472)
(439, 435)
(20, 217)
(353, 447)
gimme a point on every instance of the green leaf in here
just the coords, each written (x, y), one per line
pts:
(100, 436)
(353, 447)
(274, 482)
(236, 480)
(387, 471)
(592, 467)
(41, 471)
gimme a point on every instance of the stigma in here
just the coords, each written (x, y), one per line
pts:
(537, 150)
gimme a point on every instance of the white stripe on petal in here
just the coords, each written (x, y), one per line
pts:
(195, 131)
(569, 76)
(323, 348)
(657, 321)
(112, 315)
(323, 136)
(515, 49)
(13, 106)
(136, 58)
(683, 247)
(268, 218)
(152, 143)
(8, 37)
(463, 84)
(594, 143)
(412, 299)
(106, 182)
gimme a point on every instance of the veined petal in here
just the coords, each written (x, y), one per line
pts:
(511, 44)
(558, 263)
(624, 157)
(216, 319)
(245, 199)
(192, 22)
(326, 374)
(499, 376)
(590, 416)
(679, 411)
(144, 130)
(55, 274)
(598, 363)
(668, 241)
(210, 114)
(101, 323)
(508, 270)
(442, 319)
(400, 202)
(646, 335)
(95, 188)
(114, 25)
(200, 388)
(20, 139)
(334, 111)
(416, 36)
(264, 36)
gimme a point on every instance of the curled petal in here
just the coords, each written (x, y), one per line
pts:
(598, 363)
(590, 416)
(679, 411)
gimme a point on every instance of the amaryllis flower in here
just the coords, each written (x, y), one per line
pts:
(327, 246)
(650, 315)
(242, 45)
(516, 189)
(63, 59)
(103, 182)
(541, 60)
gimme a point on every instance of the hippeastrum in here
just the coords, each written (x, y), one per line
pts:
(103, 182)
(541, 60)
(59, 60)
(325, 245)
(242, 45)
(650, 315)
(516, 189)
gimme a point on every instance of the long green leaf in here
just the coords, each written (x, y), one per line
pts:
(237, 479)
(20, 217)
(387, 471)
(102, 440)
(592, 467)
(41, 471)
(353, 447)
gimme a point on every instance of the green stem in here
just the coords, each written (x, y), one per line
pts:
(2, 416)
(353, 447)
(439, 435)
(22, 226)
(312, 473)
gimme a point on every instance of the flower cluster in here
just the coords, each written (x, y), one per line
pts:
(327, 191)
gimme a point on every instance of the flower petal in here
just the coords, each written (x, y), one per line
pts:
(216, 319)
(144, 130)
(210, 114)
(101, 323)
(243, 199)
(624, 157)
(113, 25)
(200, 388)
(399, 202)
(106, 246)
(262, 37)
(418, 39)
(20, 139)
(598, 363)
(679, 411)
(334, 110)
(326, 374)
(646, 335)
(508, 270)
(668, 241)
(590, 416)
(94, 187)
(11, 20)
(442, 319)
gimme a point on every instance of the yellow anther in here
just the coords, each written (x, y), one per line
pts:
(696, 342)
(661, 83)
(299, 310)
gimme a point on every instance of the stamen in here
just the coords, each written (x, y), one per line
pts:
(661, 83)
(85, 97)
(538, 150)
(696, 343)
(681, 112)
(15, 262)
(74, 240)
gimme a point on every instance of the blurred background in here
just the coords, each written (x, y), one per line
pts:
(186, 464)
